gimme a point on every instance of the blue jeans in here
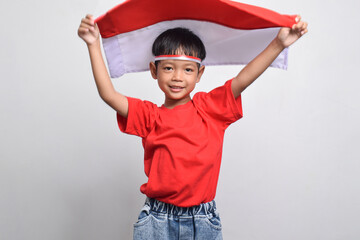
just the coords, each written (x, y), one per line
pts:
(162, 221)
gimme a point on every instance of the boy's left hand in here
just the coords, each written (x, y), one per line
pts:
(288, 36)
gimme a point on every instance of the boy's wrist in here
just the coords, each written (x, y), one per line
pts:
(94, 44)
(277, 44)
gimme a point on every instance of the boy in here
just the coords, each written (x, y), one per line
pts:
(183, 138)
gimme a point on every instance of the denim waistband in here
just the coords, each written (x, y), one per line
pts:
(166, 208)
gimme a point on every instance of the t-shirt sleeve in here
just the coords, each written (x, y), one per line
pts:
(140, 119)
(220, 104)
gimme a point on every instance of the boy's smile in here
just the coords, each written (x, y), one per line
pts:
(175, 88)
(177, 79)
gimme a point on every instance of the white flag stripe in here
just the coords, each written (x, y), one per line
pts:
(224, 45)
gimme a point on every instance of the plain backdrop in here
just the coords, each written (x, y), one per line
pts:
(290, 166)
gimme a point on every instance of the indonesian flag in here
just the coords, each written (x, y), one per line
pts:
(232, 32)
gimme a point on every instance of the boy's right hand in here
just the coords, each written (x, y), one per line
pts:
(88, 30)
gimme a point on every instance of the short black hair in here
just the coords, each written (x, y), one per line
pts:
(175, 39)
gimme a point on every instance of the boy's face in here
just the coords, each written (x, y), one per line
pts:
(177, 79)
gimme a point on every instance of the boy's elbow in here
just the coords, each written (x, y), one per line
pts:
(116, 101)
(107, 97)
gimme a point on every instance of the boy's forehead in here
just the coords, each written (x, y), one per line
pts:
(177, 62)
(183, 58)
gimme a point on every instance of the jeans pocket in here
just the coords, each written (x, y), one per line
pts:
(214, 221)
(144, 216)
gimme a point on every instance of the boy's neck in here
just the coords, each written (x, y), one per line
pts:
(171, 103)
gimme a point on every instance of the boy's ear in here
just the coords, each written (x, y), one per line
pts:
(200, 73)
(153, 71)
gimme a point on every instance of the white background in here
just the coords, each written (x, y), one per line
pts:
(290, 166)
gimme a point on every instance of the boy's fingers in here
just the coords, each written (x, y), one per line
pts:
(87, 21)
(93, 29)
(92, 19)
(300, 26)
(86, 25)
(295, 27)
(96, 27)
(89, 16)
(297, 20)
(82, 30)
(305, 25)
(305, 31)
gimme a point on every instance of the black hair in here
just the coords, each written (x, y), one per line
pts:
(175, 39)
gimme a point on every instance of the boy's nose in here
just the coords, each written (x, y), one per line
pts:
(177, 76)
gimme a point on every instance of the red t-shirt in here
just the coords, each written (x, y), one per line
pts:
(183, 145)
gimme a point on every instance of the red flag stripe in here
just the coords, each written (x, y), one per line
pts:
(136, 14)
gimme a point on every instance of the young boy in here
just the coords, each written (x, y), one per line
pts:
(183, 138)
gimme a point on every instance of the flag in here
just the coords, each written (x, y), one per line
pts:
(232, 32)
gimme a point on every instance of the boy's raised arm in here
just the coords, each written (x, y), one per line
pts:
(89, 32)
(260, 63)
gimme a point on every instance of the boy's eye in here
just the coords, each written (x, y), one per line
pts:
(168, 68)
(189, 70)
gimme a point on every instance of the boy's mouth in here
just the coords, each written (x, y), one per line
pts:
(176, 88)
